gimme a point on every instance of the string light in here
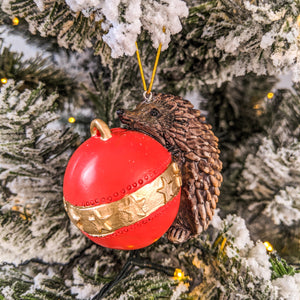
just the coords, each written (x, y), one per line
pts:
(18, 209)
(15, 21)
(270, 95)
(178, 275)
(268, 246)
(3, 80)
(71, 120)
(15, 208)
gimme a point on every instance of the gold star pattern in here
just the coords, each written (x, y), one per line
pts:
(166, 189)
(140, 204)
(126, 209)
(132, 207)
(101, 220)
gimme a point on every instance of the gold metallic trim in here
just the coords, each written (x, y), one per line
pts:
(106, 218)
(102, 127)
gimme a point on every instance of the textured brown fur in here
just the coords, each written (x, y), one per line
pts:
(180, 128)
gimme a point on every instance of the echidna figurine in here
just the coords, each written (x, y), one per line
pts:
(180, 128)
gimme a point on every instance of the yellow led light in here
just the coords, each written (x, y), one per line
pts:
(268, 246)
(22, 216)
(270, 95)
(298, 20)
(15, 21)
(71, 120)
(15, 208)
(3, 80)
(178, 274)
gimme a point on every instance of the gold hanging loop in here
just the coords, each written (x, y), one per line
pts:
(102, 127)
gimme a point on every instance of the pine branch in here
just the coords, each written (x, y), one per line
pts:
(280, 267)
(263, 175)
(116, 87)
(33, 71)
(33, 158)
(18, 284)
(74, 31)
(79, 25)
(224, 39)
(224, 262)
(236, 109)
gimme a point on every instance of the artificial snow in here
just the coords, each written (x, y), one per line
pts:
(125, 19)
(40, 4)
(8, 293)
(82, 289)
(273, 169)
(287, 287)
(18, 246)
(237, 232)
(35, 196)
(285, 208)
(258, 262)
(267, 40)
(180, 288)
(253, 257)
(38, 281)
(265, 43)
(216, 221)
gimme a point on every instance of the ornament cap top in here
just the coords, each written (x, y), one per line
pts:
(101, 126)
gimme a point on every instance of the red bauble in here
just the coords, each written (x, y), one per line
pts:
(122, 191)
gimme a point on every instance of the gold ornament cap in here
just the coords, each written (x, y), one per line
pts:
(102, 128)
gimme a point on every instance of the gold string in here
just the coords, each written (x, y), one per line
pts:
(140, 65)
(154, 68)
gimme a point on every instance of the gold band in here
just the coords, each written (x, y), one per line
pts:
(106, 218)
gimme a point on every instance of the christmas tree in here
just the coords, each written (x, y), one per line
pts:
(64, 63)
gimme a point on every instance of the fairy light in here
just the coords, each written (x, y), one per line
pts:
(178, 274)
(270, 95)
(71, 120)
(3, 80)
(15, 21)
(268, 246)
(15, 208)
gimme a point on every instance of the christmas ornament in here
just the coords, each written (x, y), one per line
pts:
(174, 123)
(121, 188)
